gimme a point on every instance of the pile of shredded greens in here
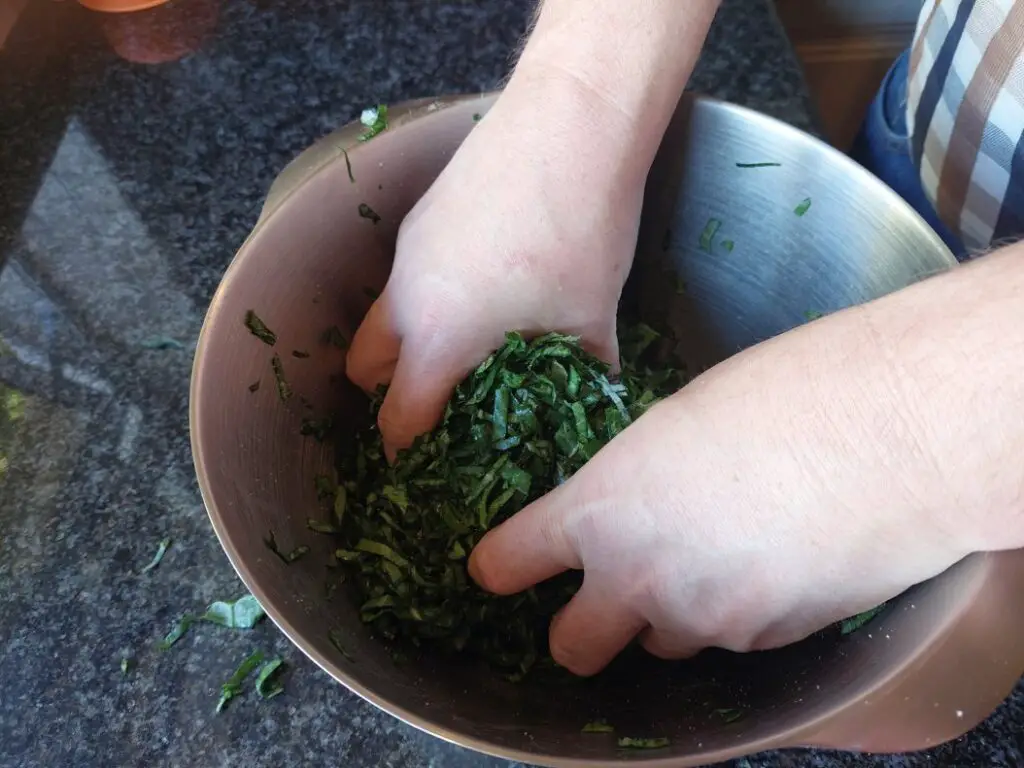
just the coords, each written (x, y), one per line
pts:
(523, 422)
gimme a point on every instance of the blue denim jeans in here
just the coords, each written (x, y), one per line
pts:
(883, 147)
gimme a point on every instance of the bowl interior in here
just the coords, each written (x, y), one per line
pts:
(771, 258)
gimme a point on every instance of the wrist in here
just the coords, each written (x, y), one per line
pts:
(570, 136)
(954, 343)
(624, 64)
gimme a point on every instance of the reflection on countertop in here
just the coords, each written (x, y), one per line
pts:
(134, 157)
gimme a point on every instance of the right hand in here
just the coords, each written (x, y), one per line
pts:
(530, 227)
(786, 488)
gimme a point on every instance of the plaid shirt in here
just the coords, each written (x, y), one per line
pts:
(965, 115)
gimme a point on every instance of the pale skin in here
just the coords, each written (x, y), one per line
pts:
(801, 481)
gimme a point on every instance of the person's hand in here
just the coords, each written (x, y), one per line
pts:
(781, 491)
(530, 227)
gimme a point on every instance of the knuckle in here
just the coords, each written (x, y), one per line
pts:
(567, 653)
(550, 529)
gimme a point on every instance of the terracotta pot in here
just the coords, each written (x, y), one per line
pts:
(157, 32)
(120, 6)
(938, 661)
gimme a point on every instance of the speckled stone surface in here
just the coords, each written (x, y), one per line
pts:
(125, 188)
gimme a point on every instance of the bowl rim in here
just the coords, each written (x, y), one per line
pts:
(411, 109)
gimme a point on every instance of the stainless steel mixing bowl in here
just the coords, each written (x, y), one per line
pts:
(931, 667)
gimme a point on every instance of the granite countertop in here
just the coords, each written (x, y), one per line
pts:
(126, 189)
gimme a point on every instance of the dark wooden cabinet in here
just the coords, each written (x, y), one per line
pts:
(846, 47)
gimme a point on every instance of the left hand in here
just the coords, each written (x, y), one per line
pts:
(781, 491)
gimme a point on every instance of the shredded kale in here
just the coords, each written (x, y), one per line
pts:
(161, 550)
(707, 235)
(630, 743)
(528, 418)
(266, 685)
(259, 329)
(233, 687)
(376, 121)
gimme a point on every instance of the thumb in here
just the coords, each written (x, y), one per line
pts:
(424, 379)
(529, 547)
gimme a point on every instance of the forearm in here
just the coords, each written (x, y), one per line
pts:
(631, 59)
(955, 351)
(912, 404)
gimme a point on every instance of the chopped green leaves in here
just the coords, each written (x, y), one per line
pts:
(288, 558)
(340, 499)
(375, 119)
(728, 245)
(320, 527)
(707, 236)
(803, 207)
(177, 632)
(338, 642)
(162, 342)
(477, 117)
(233, 687)
(334, 337)
(729, 714)
(853, 623)
(259, 329)
(284, 389)
(316, 428)
(126, 665)
(348, 167)
(813, 314)
(324, 487)
(243, 613)
(368, 213)
(627, 742)
(161, 550)
(524, 421)
(266, 684)
(598, 726)
(758, 165)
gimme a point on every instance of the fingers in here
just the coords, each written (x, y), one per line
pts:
(421, 386)
(530, 547)
(420, 381)
(374, 351)
(669, 645)
(591, 630)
